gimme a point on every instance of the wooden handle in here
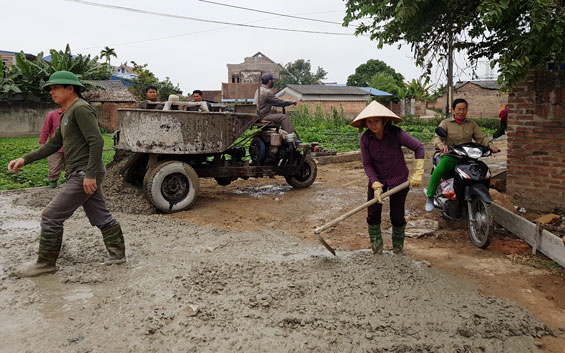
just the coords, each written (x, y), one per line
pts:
(361, 207)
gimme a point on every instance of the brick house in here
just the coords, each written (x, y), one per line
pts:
(107, 100)
(9, 57)
(484, 97)
(245, 78)
(351, 99)
(536, 142)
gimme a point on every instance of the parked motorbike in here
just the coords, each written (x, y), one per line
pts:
(464, 193)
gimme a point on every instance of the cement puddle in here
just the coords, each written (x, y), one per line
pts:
(263, 190)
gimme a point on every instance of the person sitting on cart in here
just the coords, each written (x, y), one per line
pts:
(459, 130)
(151, 101)
(266, 99)
(197, 98)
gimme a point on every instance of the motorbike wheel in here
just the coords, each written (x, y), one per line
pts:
(306, 176)
(479, 220)
(171, 186)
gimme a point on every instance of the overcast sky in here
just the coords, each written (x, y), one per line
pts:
(194, 54)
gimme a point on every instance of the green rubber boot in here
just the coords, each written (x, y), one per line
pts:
(398, 239)
(49, 248)
(376, 238)
(114, 241)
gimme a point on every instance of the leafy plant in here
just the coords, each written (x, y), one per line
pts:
(365, 72)
(514, 35)
(299, 73)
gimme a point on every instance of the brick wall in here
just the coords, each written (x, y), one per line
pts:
(536, 142)
(107, 113)
(350, 108)
(483, 103)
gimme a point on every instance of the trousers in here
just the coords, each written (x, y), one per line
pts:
(281, 119)
(397, 202)
(445, 165)
(55, 164)
(71, 197)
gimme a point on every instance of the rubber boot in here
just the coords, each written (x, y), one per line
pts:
(376, 238)
(49, 248)
(398, 239)
(114, 241)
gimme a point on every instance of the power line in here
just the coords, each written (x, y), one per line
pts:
(114, 7)
(181, 35)
(270, 13)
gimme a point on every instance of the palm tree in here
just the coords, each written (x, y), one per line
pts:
(108, 53)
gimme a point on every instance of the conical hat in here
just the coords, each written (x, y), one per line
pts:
(374, 110)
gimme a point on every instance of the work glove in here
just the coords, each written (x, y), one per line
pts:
(416, 178)
(378, 187)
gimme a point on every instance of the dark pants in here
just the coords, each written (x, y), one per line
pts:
(72, 197)
(501, 130)
(396, 207)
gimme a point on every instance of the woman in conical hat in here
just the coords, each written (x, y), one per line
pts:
(383, 161)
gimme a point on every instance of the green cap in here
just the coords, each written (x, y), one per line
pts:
(63, 78)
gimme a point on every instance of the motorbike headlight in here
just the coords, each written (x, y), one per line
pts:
(473, 152)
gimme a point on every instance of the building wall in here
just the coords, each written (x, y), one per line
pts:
(536, 142)
(23, 118)
(350, 108)
(107, 113)
(483, 103)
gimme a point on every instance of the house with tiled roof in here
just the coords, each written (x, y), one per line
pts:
(106, 98)
(352, 100)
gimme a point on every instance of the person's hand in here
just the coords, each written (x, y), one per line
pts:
(416, 179)
(15, 165)
(443, 148)
(89, 185)
(378, 187)
(494, 149)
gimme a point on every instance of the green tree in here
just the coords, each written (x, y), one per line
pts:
(364, 73)
(147, 78)
(385, 82)
(108, 53)
(416, 89)
(516, 35)
(299, 72)
(29, 76)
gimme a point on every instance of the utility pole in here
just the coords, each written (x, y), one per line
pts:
(449, 89)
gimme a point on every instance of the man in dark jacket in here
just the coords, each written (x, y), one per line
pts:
(80, 136)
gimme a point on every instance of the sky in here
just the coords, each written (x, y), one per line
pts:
(191, 53)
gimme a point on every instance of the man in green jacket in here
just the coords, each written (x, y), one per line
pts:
(80, 136)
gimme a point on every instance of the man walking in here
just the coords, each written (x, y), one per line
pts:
(78, 133)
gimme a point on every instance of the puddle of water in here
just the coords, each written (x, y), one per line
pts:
(79, 294)
(263, 190)
(19, 224)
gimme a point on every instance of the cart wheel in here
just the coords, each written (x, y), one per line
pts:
(306, 175)
(257, 151)
(171, 186)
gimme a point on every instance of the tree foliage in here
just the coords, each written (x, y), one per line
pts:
(299, 72)
(29, 76)
(516, 35)
(365, 72)
(385, 82)
(147, 78)
(108, 53)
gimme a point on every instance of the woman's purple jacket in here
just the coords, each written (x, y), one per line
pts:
(383, 159)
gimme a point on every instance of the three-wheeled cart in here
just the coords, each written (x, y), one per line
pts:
(169, 150)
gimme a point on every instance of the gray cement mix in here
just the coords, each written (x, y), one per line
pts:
(199, 289)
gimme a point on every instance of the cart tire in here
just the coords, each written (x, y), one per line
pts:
(258, 151)
(306, 176)
(171, 186)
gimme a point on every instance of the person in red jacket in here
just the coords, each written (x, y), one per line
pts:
(503, 115)
(55, 162)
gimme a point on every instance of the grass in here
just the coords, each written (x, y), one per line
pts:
(34, 174)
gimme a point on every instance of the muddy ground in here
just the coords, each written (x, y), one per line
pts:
(243, 271)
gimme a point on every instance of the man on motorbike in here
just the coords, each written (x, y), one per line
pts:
(459, 130)
(266, 99)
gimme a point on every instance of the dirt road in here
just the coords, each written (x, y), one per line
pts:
(242, 271)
